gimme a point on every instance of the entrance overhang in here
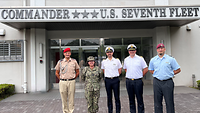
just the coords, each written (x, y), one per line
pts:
(98, 18)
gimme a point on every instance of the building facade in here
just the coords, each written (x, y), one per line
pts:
(33, 34)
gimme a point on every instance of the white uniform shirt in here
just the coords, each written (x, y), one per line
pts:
(111, 67)
(134, 66)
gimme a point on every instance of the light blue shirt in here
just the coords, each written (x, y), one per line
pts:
(163, 67)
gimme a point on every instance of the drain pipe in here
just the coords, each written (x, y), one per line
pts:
(25, 60)
(193, 80)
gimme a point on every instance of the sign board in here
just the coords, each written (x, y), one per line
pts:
(46, 14)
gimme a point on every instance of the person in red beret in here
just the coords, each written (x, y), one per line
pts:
(163, 67)
(67, 70)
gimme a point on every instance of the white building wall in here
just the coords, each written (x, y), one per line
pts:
(11, 3)
(184, 2)
(12, 72)
(185, 48)
(99, 3)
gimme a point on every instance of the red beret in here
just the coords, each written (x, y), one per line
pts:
(160, 45)
(67, 49)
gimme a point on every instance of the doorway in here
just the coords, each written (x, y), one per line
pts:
(82, 48)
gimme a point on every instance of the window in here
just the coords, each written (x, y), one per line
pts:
(11, 50)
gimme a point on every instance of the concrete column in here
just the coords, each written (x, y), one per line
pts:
(33, 70)
(41, 61)
(162, 35)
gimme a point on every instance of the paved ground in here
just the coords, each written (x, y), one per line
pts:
(187, 100)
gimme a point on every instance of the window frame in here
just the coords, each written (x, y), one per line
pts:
(13, 53)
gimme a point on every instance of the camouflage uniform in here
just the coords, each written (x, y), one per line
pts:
(92, 87)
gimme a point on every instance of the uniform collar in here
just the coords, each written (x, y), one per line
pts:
(111, 59)
(66, 60)
(95, 68)
(162, 57)
(134, 56)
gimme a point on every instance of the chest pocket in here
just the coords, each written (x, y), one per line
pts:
(72, 65)
(156, 64)
(167, 64)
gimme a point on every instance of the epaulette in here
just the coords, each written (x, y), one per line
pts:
(60, 60)
(141, 56)
(171, 56)
(117, 58)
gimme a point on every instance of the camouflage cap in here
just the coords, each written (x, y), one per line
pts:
(90, 58)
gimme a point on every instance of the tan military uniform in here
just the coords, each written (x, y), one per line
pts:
(67, 68)
(67, 88)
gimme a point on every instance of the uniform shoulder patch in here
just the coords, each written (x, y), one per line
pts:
(141, 56)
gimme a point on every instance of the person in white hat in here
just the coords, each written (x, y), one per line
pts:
(135, 67)
(112, 68)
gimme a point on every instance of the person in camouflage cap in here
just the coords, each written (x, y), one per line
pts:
(91, 76)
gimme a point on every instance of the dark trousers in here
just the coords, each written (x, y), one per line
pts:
(166, 89)
(113, 85)
(135, 88)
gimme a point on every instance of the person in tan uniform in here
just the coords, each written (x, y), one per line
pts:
(67, 70)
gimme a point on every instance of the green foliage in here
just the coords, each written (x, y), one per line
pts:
(6, 90)
(198, 82)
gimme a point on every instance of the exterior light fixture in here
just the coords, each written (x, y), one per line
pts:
(2, 32)
(41, 50)
(188, 27)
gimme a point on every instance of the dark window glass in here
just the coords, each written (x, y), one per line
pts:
(89, 42)
(54, 42)
(135, 41)
(70, 42)
(113, 41)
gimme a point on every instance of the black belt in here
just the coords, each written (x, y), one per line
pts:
(111, 77)
(67, 79)
(133, 79)
(163, 80)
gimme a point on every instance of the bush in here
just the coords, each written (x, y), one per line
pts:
(6, 90)
(198, 84)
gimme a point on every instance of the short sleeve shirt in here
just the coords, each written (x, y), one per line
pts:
(163, 67)
(134, 66)
(67, 68)
(111, 67)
